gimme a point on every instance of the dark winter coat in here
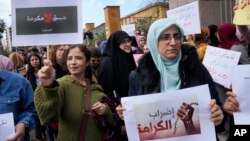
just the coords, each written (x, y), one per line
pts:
(146, 79)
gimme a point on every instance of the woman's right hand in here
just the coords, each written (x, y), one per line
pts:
(47, 74)
(119, 109)
(231, 104)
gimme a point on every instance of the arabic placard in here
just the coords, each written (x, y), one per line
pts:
(242, 14)
(129, 28)
(219, 62)
(46, 22)
(6, 126)
(240, 86)
(182, 114)
(188, 17)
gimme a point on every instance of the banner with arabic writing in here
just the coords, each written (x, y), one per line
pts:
(182, 114)
(219, 63)
(187, 16)
(46, 22)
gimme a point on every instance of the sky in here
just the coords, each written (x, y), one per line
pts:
(93, 10)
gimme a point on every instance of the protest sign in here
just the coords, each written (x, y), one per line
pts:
(219, 62)
(240, 86)
(46, 22)
(7, 127)
(158, 116)
(242, 14)
(188, 17)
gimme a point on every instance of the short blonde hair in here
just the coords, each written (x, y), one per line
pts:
(17, 59)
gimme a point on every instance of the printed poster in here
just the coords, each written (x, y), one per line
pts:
(182, 114)
(46, 22)
(242, 14)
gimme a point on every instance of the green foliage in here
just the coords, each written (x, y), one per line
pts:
(144, 23)
(90, 42)
(99, 36)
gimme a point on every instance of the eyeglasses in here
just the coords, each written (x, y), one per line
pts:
(125, 41)
(168, 37)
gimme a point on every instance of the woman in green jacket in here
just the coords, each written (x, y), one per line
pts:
(64, 100)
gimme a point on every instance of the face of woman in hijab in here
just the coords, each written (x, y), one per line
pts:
(125, 45)
(169, 42)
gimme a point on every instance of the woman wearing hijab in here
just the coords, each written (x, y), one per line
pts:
(171, 65)
(212, 37)
(117, 62)
(227, 37)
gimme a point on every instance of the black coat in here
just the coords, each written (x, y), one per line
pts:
(146, 78)
(114, 69)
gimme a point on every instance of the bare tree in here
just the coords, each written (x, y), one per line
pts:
(156, 1)
(151, 2)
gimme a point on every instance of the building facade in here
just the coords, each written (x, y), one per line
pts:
(8, 42)
(155, 11)
(211, 12)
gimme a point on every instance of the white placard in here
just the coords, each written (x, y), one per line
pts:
(188, 17)
(219, 62)
(129, 28)
(46, 22)
(7, 127)
(240, 86)
(154, 116)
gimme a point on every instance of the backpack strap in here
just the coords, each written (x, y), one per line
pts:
(87, 111)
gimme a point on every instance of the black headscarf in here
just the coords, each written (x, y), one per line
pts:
(213, 38)
(123, 63)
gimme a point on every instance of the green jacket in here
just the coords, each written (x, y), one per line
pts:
(65, 104)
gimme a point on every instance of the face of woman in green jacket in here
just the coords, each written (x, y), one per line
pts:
(76, 63)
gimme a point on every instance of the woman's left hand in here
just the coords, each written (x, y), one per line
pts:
(216, 112)
(19, 133)
(99, 108)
